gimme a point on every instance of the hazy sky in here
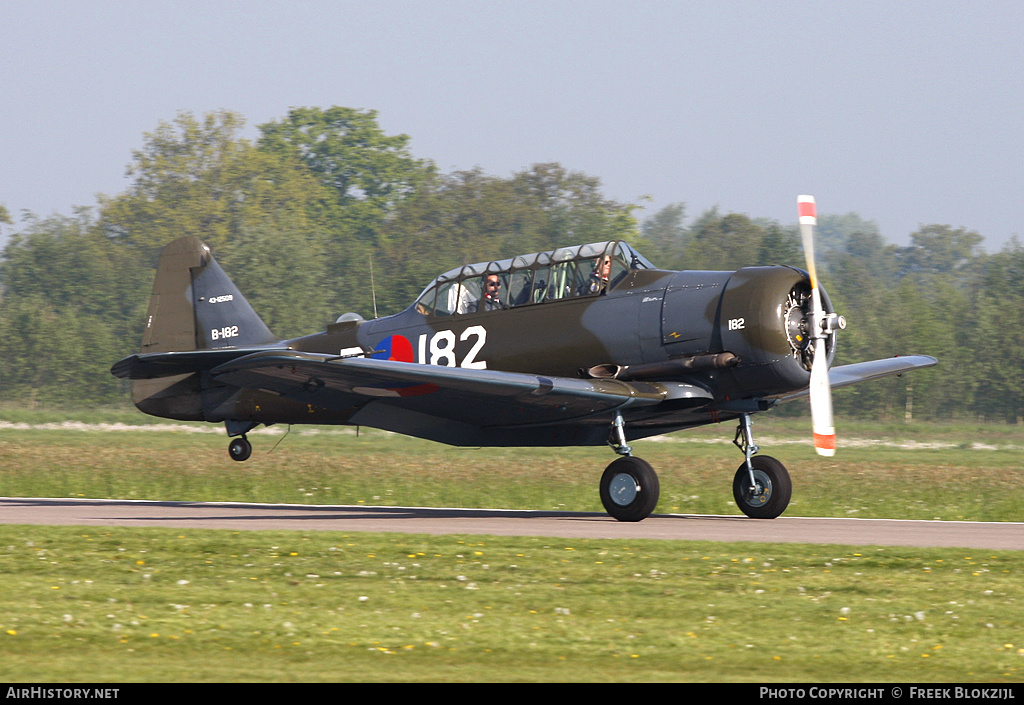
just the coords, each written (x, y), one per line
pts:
(903, 112)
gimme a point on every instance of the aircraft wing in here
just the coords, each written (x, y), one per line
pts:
(406, 396)
(845, 375)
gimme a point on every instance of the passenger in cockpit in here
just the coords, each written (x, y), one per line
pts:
(599, 277)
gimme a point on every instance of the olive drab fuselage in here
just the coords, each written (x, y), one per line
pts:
(657, 325)
(650, 316)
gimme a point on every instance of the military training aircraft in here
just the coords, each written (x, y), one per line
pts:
(577, 346)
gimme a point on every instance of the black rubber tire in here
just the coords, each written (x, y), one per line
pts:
(770, 474)
(240, 449)
(630, 489)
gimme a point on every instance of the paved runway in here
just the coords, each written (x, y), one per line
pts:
(239, 516)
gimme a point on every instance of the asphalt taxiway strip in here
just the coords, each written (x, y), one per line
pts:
(421, 520)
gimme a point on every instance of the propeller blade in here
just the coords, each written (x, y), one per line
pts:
(820, 390)
(808, 211)
(822, 424)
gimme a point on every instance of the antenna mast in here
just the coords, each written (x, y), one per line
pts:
(373, 289)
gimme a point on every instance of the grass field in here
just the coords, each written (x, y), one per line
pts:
(908, 472)
(129, 605)
(124, 605)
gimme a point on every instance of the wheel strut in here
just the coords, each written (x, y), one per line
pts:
(744, 440)
(617, 438)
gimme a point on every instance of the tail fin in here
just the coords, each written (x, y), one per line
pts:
(195, 306)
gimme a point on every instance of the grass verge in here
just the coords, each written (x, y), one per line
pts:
(143, 605)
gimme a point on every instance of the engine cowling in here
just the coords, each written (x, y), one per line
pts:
(764, 319)
(762, 315)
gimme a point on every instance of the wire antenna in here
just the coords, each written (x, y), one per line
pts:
(280, 440)
(373, 289)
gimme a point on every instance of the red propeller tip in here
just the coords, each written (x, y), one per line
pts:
(825, 442)
(807, 210)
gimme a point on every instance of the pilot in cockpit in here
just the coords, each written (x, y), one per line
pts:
(491, 298)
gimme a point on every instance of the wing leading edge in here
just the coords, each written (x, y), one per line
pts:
(845, 375)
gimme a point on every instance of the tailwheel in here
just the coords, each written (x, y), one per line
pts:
(629, 489)
(763, 490)
(240, 449)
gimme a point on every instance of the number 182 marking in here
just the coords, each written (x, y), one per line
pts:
(440, 348)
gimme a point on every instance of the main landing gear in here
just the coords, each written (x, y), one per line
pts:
(630, 487)
(761, 487)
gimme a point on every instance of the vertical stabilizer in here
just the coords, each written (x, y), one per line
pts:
(194, 306)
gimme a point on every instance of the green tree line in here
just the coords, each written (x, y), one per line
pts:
(323, 202)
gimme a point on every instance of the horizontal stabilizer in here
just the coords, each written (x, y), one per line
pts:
(168, 364)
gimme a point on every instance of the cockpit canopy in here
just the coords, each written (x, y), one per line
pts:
(568, 272)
